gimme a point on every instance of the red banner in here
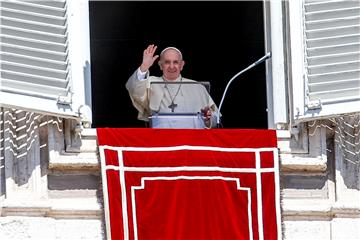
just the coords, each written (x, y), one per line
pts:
(190, 183)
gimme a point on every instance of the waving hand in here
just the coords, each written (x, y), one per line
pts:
(148, 57)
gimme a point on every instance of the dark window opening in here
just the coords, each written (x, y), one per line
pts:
(217, 39)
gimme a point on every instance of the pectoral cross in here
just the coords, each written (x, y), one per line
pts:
(172, 106)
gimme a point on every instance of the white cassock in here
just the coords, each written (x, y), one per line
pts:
(155, 99)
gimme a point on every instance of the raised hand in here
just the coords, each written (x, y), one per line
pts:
(148, 58)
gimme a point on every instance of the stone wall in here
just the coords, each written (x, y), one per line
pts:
(46, 192)
(51, 185)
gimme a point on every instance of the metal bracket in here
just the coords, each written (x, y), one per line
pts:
(65, 100)
(314, 104)
(85, 115)
(72, 136)
(299, 138)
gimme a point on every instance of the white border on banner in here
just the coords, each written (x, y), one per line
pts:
(259, 196)
(258, 170)
(143, 179)
(105, 192)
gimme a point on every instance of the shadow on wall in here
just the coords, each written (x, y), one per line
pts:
(347, 143)
(21, 147)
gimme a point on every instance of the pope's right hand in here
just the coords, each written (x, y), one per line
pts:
(148, 58)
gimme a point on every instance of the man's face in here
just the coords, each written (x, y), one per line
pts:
(171, 64)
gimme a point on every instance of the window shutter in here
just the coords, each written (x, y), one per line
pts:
(35, 65)
(331, 71)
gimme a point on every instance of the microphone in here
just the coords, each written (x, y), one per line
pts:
(266, 56)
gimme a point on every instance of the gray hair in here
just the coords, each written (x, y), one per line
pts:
(172, 48)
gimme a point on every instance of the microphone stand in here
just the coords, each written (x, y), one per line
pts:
(268, 55)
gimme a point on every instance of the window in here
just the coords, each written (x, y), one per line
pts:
(45, 56)
(217, 39)
(325, 58)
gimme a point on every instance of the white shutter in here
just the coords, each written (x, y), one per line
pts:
(35, 64)
(331, 54)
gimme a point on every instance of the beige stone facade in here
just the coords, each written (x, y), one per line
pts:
(51, 183)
